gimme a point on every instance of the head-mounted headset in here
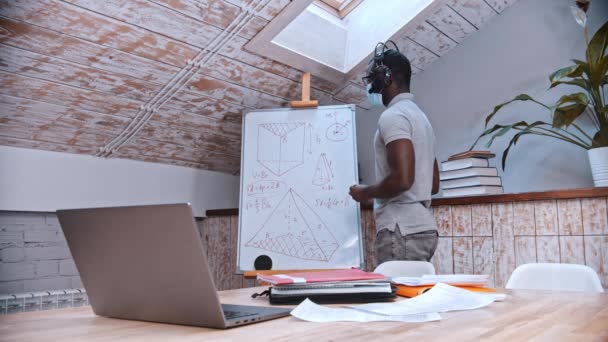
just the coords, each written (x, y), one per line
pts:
(379, 75)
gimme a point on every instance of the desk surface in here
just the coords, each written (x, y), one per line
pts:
(524, 315)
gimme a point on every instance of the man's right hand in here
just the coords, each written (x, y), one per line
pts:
(358, 193)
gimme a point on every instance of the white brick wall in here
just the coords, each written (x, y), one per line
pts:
(33, 254)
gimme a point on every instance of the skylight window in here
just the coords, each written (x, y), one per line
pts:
(330, 38)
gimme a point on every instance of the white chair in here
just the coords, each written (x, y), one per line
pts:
(405, 268)
(558, 277)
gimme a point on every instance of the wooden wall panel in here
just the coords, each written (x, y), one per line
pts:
(596, 256)
(571, 250)
(547, 249)
(461, 220)
(595, 216)
(504, 249)
(523, 218)
(545, 214)
(570, 217)
(443, 260)
(481, 219)
(463, 255)
(525, 250)
(483, 257)
(443, 218)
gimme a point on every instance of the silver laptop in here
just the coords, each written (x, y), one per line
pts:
(147, 263)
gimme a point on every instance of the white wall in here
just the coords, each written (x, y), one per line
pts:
(33, 180)
(514, 53)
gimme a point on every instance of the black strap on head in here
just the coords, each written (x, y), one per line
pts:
(378, 74)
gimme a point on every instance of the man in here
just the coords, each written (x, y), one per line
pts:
(406, 168)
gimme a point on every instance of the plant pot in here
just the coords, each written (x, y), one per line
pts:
(598, 159)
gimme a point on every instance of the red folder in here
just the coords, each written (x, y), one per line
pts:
(318, 277)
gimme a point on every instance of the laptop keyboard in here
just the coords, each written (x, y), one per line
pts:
(229, 314)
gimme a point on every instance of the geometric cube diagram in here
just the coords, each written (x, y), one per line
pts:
(281, 146)
(294, 229)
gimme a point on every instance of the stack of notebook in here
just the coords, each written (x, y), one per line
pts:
(335, 286)
(469, 173)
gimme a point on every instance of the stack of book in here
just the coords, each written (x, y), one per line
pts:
(469, 173)
(335, 286)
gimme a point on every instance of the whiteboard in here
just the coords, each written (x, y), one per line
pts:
(296, 169)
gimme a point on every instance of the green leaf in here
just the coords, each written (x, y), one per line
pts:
(578, 98)
(597, 45)
(521, 97)
(565, 115)
(572, 71)
(598, 72)
(580, 82)
(513, 141)
(584, 66)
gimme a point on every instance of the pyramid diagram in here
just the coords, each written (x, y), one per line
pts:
(323, 174)
(294, 229)
(281, 146)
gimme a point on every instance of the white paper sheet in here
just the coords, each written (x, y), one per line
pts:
(309, 311)
(441, 298)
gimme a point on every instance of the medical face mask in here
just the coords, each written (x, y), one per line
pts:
(375, 99)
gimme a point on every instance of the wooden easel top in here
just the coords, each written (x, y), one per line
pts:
(306, 102)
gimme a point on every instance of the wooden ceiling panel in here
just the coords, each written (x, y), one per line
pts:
(229, 92)
(52, 43)
(431, 38)
(51, 92)
(79, 22)
(26, 110)
(452, 24)
(52, 69)
(477, 12)
(51, 133)
(45, 146)
(75, 74)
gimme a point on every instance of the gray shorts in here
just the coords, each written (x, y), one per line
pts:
(391, 245)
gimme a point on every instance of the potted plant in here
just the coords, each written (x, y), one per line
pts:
(591, 75)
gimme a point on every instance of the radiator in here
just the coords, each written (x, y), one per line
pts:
(42, 300)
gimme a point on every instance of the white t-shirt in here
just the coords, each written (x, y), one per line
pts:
(410, 210)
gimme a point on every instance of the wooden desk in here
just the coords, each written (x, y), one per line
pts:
(524, 315)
